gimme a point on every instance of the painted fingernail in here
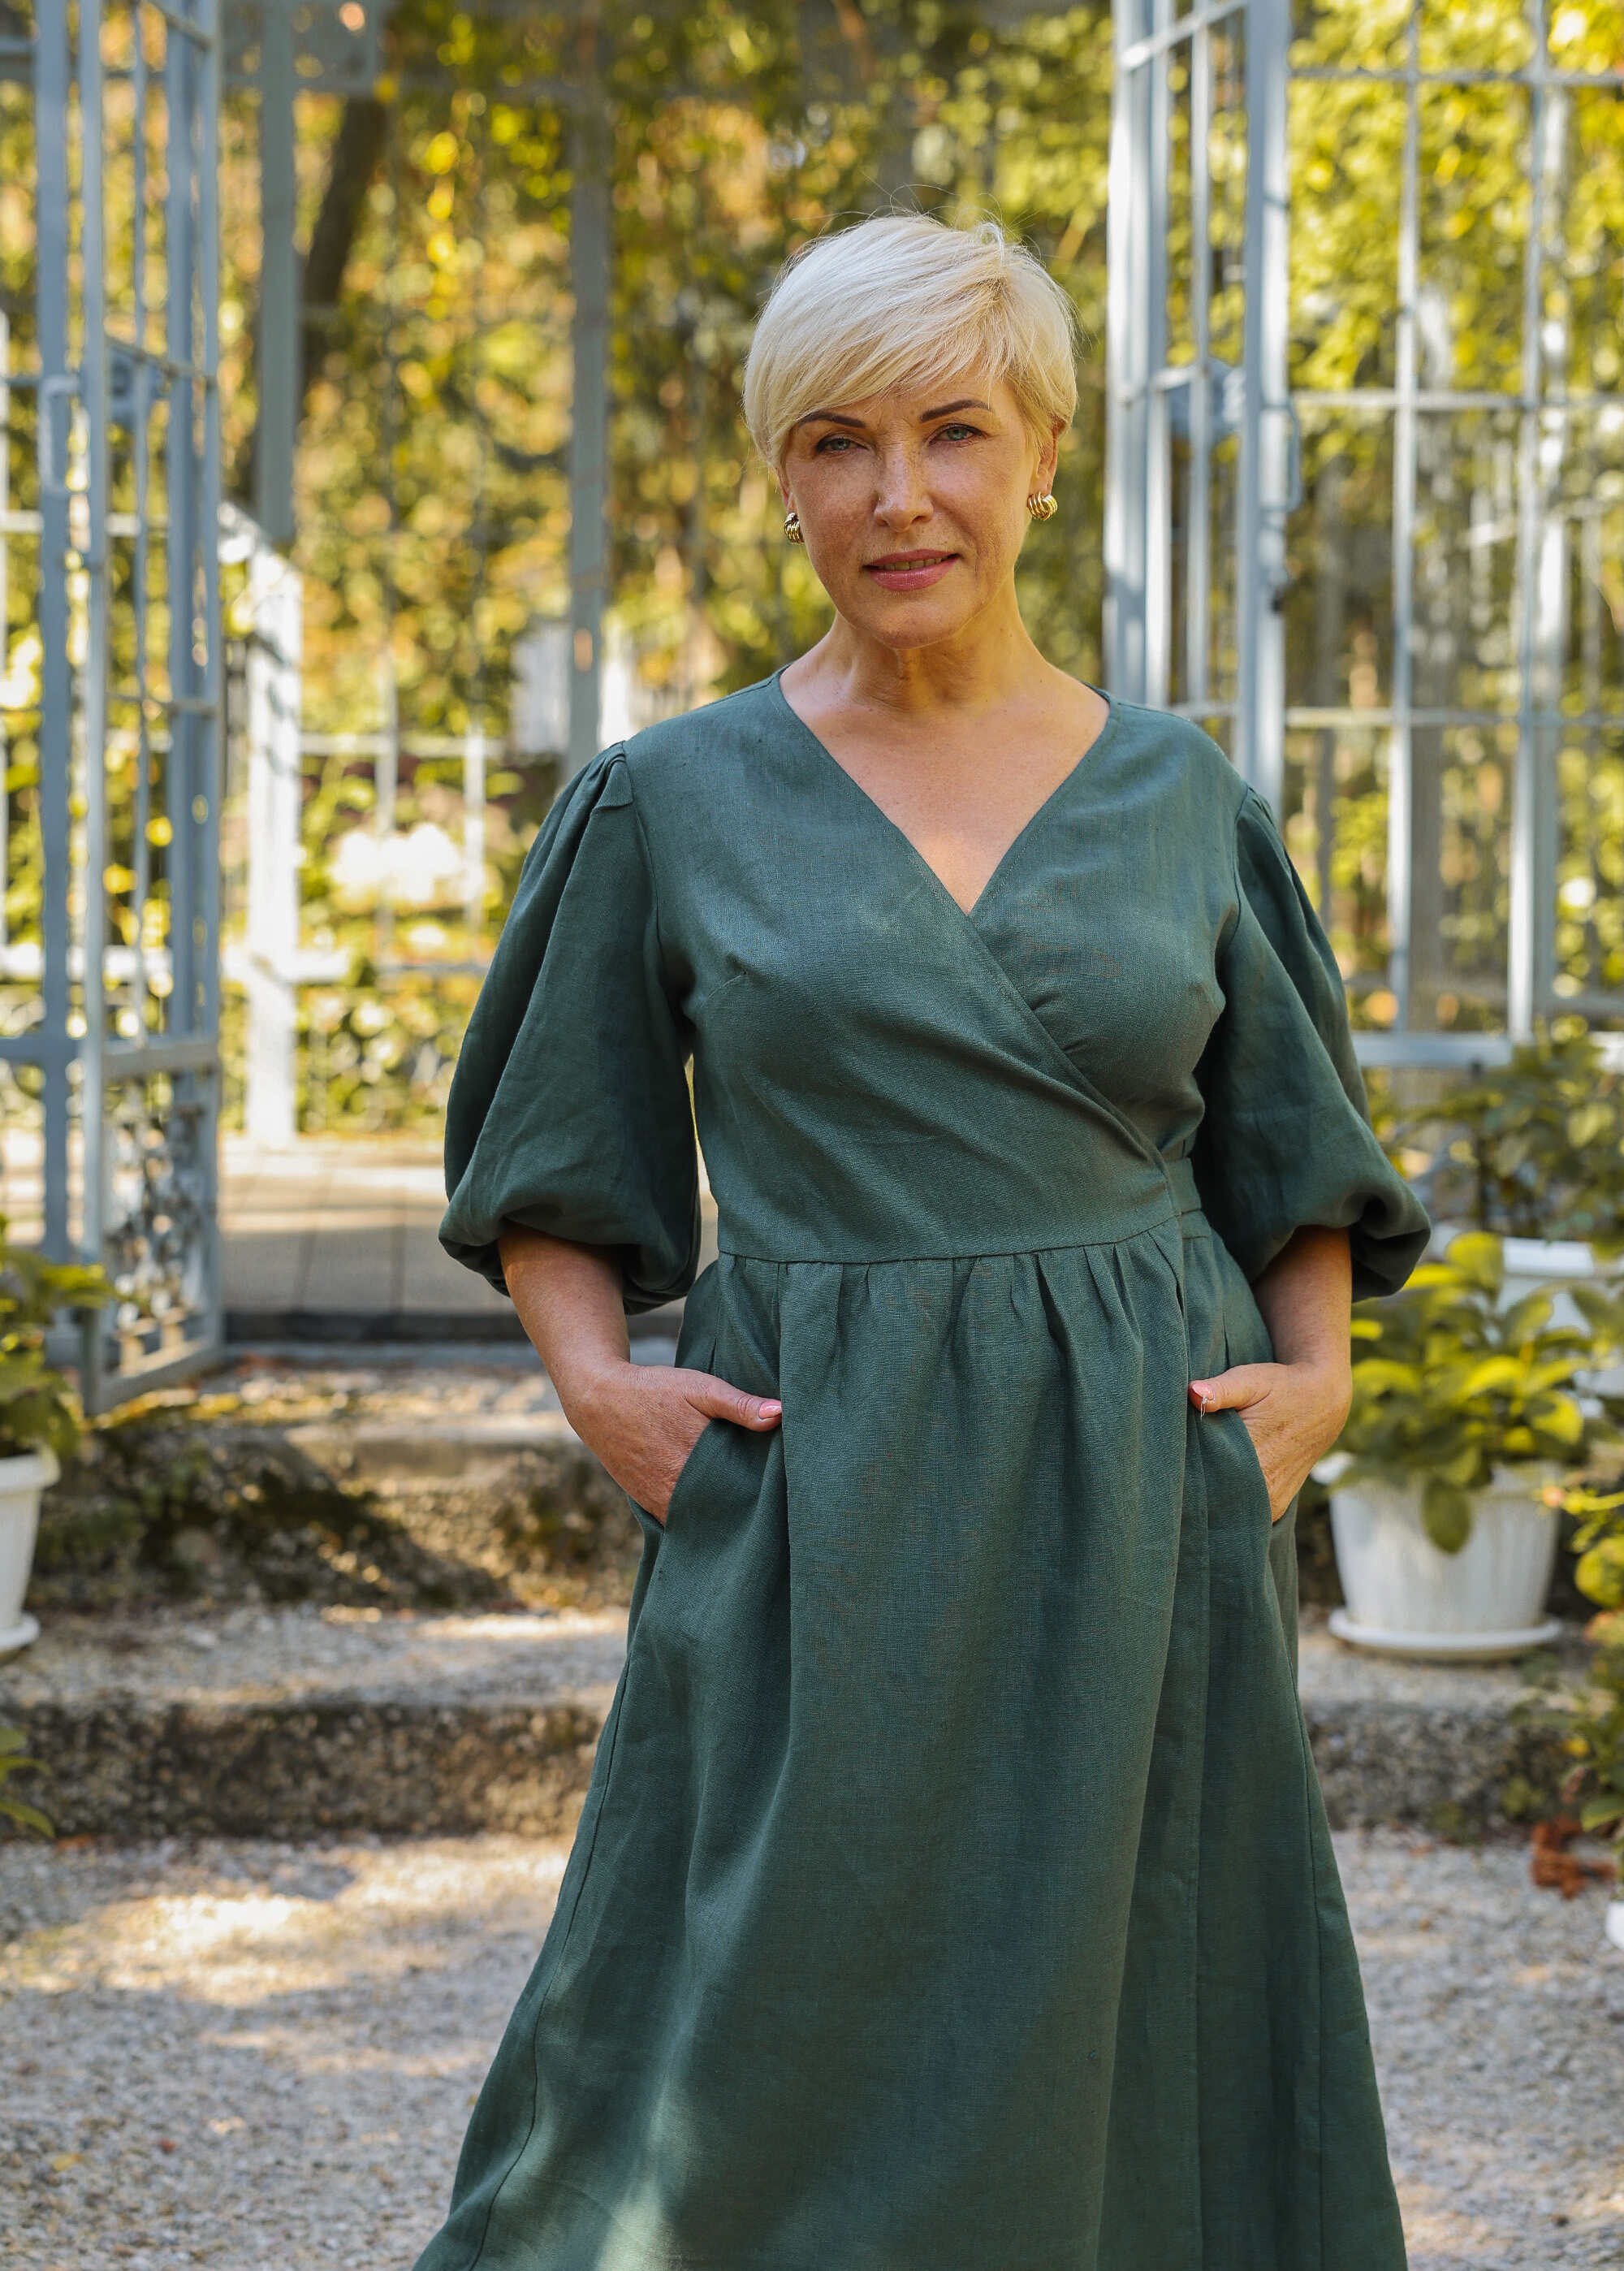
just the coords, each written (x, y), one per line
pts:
(769, 1409)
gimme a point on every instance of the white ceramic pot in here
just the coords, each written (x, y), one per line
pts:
(21, 1481)
(1406, 1597)
(1615, 1925)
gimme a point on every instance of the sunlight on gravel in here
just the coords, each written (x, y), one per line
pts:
(252, 2056)
(1497, 2013)
(261, 2057)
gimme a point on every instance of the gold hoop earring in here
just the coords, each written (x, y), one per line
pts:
(1043, 507)
(792, 526)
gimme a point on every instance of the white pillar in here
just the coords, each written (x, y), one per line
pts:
(274, 800)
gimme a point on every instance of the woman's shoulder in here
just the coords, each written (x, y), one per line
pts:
(1159, 749)
(703, 742)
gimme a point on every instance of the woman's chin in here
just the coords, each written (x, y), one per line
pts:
(906, 621)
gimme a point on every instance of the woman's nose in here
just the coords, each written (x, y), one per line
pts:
(903, 494)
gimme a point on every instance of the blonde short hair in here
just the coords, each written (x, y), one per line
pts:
(901, 299)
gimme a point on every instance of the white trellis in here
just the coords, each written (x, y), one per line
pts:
(1206, 439)
(121, 374)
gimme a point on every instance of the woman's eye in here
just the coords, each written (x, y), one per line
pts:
(960, 433)
(831, 441)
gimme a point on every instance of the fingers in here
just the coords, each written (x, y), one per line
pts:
(1234, 1390)
(719, 1399)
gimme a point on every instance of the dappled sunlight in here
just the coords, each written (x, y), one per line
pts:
(1497, 2014)
(271, 2049)
(240, 1947)
(288, 2040)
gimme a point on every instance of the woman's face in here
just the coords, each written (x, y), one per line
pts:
(913, 503)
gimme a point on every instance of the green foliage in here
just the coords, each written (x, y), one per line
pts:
(433, 506)
(1588, 1723)
(1598, 1543)
(1533, 1147)
(1593, 1720)
(1448, 1387)
(36, 1404)
(14, 1761)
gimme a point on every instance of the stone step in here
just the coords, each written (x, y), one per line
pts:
(480, 1447)
(290, 1723)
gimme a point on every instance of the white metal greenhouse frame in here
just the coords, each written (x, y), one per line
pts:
(1197, 580)
(126, 421)
(1202, 472)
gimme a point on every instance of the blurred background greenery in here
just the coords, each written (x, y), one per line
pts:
(432, 499)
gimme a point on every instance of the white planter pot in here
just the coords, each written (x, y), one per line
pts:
(1405, 1597)
(21, 1482)
(1614, 1925)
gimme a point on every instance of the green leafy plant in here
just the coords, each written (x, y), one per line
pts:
(37, 1408)
(14, 1760)
(1533, 1147)
(1450, 1387)
(1588, 1721)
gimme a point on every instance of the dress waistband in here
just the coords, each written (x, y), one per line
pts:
(1182, 1181)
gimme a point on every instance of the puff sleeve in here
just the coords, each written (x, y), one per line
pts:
(1285, 1138)
(568, 1109)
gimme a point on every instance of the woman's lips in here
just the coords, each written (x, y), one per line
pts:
(911, 574)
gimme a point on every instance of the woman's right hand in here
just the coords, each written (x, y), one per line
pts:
(642, 1420)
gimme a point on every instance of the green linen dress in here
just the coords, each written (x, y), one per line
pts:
(953, 1889)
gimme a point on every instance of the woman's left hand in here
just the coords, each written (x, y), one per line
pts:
(1294, 1414)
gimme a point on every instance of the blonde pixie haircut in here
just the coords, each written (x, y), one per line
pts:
(902, 300)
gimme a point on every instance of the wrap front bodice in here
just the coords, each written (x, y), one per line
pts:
(953, 1891)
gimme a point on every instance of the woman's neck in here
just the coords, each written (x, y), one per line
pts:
(985, 664)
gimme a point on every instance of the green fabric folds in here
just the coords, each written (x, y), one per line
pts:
(953, 1890)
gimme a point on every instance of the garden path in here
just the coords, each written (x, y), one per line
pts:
(331, 1238)
(261, 2057)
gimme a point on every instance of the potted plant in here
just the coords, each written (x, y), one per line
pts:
(1534, 1150)
(39, 1423)
(1587, 1719)
(1446, 1481)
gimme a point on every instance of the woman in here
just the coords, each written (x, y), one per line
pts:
(953, 1891)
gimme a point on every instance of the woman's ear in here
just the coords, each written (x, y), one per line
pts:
(1048, 459)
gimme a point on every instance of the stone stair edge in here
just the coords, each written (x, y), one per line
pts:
(432, 1754)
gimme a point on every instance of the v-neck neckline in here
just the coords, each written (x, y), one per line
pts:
(971, 913)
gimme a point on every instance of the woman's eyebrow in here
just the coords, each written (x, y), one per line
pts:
(839, 418)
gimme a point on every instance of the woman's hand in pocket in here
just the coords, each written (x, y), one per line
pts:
(1293, 1412)
(643, 1420)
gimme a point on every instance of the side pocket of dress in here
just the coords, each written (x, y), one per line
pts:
(689, 1469)
(1248, 1452)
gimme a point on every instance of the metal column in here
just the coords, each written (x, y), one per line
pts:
(590, 220)
(1169, 576)
(127, 1042)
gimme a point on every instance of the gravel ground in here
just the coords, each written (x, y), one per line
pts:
(261, 2057)
(177, 1655)
(159, 1657)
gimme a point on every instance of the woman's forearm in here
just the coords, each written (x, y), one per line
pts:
(641, 1419)
(1305, 1295)
(568, 1301)
(1294, 1408)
